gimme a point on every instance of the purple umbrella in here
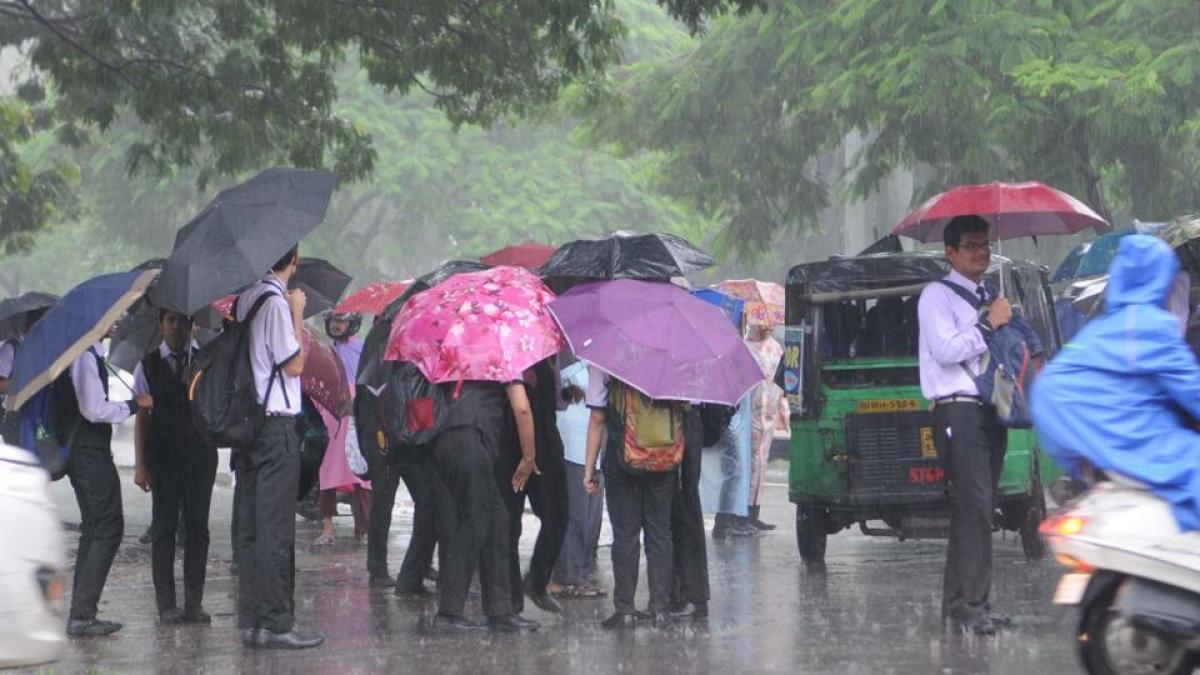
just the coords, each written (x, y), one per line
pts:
(657, 338)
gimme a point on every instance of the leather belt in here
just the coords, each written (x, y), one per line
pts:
(960, 398)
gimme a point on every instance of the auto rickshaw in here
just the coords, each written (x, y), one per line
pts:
(862, 447)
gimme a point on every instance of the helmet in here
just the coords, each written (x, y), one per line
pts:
(354, 318)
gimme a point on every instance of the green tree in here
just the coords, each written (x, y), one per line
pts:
(437, 192)
(33, 189)
(1097, 98)
(229, 86)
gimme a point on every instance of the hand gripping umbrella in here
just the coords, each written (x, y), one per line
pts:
(659, 339)
(79, 320)
(1014, 210)
(240, 234)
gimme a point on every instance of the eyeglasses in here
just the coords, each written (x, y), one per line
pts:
(975, 246)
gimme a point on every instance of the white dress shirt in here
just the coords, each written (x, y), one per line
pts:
(140, 384)
(949, 337)
(273, 342)
(94, 405)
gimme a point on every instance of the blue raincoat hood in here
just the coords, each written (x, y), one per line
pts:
(1121, 396)
(1142, 273)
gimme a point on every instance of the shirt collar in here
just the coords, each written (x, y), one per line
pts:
(959, 279)
(165, 351)
(274, 280)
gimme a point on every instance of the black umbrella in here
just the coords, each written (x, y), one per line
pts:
(15, 312)
(138, 332)
(624, 255)
(240, 234)
(322, 283)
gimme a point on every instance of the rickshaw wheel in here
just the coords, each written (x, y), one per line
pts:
(812, 529)
(1031, 541)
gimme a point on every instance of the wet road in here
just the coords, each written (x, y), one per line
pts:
(876, 610)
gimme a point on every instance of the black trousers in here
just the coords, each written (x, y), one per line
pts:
(268, 473)
(183, 479)
(690, 551)
(102, 524)
(640, 505)
(418, 558)
(472, 522)
(970, 443)
(547, 495)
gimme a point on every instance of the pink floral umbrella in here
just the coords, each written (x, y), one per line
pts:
(489, 325)
(764, 300)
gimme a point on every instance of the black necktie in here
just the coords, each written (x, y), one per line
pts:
(177, 358)
(982, 294)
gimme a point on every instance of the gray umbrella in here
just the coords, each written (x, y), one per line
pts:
(240, 234)
(15, 312)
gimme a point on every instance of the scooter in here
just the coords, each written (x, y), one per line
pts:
(1135, 578)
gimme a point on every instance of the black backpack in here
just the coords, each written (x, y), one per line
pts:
(221, 393)
(412, 410)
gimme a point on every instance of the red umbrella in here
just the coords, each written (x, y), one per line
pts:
(529, 255)
(324, 377)
(372, 298)
(224, 306)
(1014, 210)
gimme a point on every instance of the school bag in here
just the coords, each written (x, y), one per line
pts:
(1011, 364)
(653, 440)
(412, 411)
(221, 393)
(47, 428)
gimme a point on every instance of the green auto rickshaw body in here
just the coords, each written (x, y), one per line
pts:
(862, 446)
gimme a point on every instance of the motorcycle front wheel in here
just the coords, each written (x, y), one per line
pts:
(1109, 644)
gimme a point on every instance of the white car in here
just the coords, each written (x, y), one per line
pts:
(32, 564)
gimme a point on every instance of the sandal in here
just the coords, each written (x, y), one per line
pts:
(323, 540)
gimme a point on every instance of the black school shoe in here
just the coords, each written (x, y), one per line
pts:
(195, 615)
(620, 620)
(293, 639)
(543, 600)
(688, 610)
(457, 623)
(91, 627)
(381, 581)
(512, 623)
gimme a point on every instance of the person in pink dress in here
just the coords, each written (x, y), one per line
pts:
(770, 408)
(335, 475)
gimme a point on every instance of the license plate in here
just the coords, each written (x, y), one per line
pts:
(888, 405)
(1071, 588)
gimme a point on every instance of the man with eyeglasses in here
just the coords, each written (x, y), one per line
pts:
(968, 435)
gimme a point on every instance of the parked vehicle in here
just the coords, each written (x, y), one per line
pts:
(1134, 577)
(862, 448)
(32, 564)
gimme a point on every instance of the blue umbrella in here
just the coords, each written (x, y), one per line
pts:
(80, 319)
(731, 306)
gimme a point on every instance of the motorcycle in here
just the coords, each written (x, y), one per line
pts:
(1135, 578)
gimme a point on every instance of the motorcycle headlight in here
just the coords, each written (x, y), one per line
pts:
(52, 584)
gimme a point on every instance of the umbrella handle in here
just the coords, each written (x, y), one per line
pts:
(117, 375)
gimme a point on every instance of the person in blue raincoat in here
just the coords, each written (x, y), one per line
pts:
(1123, 396)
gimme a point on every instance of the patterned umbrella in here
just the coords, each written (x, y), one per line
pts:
(530, 255)
(764, 300)
(372, 298)
(488, 325)
(324, 377)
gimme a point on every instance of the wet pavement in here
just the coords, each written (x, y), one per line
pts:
(876, 610)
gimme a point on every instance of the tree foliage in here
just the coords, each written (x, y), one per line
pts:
(1097, 98)
(33, 190)
(437, 192)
